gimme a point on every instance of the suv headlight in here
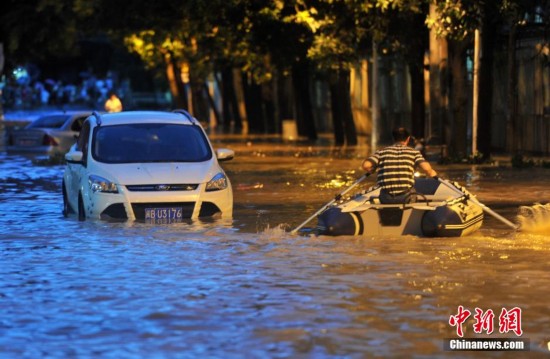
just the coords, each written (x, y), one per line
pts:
(100, 184)
(218, 182)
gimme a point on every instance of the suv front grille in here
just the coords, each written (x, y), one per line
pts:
(162, 187)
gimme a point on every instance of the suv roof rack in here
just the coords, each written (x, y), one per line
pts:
(193, 120)
(98, 117)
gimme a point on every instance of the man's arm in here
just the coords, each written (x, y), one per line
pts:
(426, 167)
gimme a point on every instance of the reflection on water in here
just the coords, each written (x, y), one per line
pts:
(246, 287)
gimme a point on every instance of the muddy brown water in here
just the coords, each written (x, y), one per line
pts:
(246, 287)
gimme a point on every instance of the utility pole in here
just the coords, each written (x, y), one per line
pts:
(475, 98)
(375, 97)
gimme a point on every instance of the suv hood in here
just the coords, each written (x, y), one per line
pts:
(157, 173)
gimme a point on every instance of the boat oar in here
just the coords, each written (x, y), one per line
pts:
(295, 230)
(484, 207)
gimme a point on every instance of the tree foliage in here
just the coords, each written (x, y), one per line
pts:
(455, 19)
(258, 36)
(263, 38)
(36, 29)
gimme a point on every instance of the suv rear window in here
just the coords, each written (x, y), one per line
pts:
(151, 142)
(49, 122)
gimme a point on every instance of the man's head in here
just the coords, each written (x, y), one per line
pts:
(400, 134)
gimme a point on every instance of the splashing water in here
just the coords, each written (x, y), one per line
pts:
(274, 233)
(535, 218)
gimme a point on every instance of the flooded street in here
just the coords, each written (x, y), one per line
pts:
(248, 288)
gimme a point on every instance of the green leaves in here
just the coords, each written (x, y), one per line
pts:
(455, 20)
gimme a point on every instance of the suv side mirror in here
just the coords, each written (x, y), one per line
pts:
(74, 156)
(224, 154)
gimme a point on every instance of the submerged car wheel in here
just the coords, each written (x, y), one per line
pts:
(81, 213)
(66, 206)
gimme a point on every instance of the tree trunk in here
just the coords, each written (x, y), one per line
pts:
(183, 101)
(513, 134)
(253, 103)
(418, 105)
(415, 61)
(269, 91)
(342, 115)
(438, 122)
(486, 87)
(304, 111)
(458, 98)
(230, 104)
(179, 98)
(285, 97)
(211, 103)
(200, 101)
(337, 119)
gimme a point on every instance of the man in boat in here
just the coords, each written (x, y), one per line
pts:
(396, 165)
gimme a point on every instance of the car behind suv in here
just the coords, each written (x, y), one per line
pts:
(52, 134)
(146, 165)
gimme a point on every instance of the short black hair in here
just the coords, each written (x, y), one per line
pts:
(400, 134)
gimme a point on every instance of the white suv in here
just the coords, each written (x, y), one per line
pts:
(147, 165)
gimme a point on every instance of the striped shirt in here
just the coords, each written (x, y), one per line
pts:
(396, 165)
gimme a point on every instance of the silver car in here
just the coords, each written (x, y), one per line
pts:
(51, 134)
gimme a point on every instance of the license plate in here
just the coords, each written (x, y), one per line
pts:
(163, 215)
(26, 143)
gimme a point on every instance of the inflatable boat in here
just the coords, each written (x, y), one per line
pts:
(442, 209)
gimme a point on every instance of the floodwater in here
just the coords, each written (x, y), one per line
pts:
(246, 287)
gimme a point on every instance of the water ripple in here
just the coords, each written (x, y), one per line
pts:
(246, 287)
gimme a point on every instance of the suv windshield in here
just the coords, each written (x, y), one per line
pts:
(150, 142)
